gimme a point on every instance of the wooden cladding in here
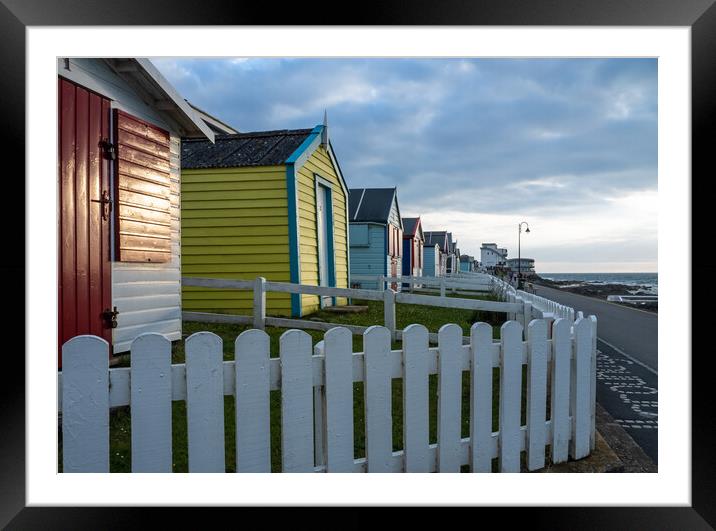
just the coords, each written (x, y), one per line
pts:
(142, 188)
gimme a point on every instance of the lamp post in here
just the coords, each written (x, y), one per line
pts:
(519, 252)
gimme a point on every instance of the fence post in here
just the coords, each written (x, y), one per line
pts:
(520, 316)
(318, 413)
(593, 382)
(381, 282)
(528, 315)
(260, 303)
(442, 286)
(389, 311)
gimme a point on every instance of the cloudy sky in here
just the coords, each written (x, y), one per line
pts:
(474, 145)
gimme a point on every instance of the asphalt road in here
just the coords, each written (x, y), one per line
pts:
(633, 331)
(627, 363)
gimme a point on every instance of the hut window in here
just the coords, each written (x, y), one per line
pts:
(359, 235)
(141, 191)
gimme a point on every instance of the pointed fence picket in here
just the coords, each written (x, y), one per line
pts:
(296, 401)
(252, 377)
(338, 422)
(536, 393)
(317, 406)
(481, 357)
(151, 398)
(510, 396)
(378, 414)
(561, 375)
(415, 398)
(449, 397)
(85, 405)
(205, 402)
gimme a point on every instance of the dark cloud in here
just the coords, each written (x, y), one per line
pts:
(489, 135)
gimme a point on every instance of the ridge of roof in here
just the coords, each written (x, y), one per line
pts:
(255, 134)
(255, 148)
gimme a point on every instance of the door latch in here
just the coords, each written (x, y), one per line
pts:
(106, 204)
(108, 149)
(110, 317)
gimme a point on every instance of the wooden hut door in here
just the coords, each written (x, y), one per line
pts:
(84, 279)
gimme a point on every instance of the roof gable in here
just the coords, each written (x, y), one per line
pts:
(419, 233)
(154, 88)
(413, 227)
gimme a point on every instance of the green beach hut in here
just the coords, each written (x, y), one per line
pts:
(270, 204)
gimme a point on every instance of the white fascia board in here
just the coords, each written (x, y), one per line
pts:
(172, 93)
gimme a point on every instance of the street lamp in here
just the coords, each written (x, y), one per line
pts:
(519, 252)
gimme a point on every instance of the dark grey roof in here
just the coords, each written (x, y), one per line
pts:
(433, 237)
(409, 225)
(370, 204)
(263, 148)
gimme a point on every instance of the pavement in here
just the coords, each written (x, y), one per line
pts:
(627, 364)
(614, 451)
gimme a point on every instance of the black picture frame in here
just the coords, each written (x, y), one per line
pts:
(699, 15)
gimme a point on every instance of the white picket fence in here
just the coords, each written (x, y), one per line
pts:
(317, 406)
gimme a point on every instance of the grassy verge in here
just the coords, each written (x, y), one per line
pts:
(432, 317)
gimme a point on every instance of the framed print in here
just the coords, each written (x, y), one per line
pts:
(166, 159)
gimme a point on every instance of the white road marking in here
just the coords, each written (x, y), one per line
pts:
(642, 364)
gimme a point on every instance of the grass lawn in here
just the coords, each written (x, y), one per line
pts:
(432, 317)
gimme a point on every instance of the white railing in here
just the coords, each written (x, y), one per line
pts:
(317, 406)
(457, 283)
(540, 306)
(634, 299)
(260, 286)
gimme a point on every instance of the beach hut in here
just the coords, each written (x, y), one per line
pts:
(413, 240)
(467, 263)
(452, 262)
(433, 238)
(270, 204)
(119, 128)
(376, 234)
(431, 260)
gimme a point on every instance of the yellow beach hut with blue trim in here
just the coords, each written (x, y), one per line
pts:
(270, 204)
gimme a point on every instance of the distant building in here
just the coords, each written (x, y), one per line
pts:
(491, 256)
(524, 265)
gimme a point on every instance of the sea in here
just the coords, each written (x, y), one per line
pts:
(651, 280)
